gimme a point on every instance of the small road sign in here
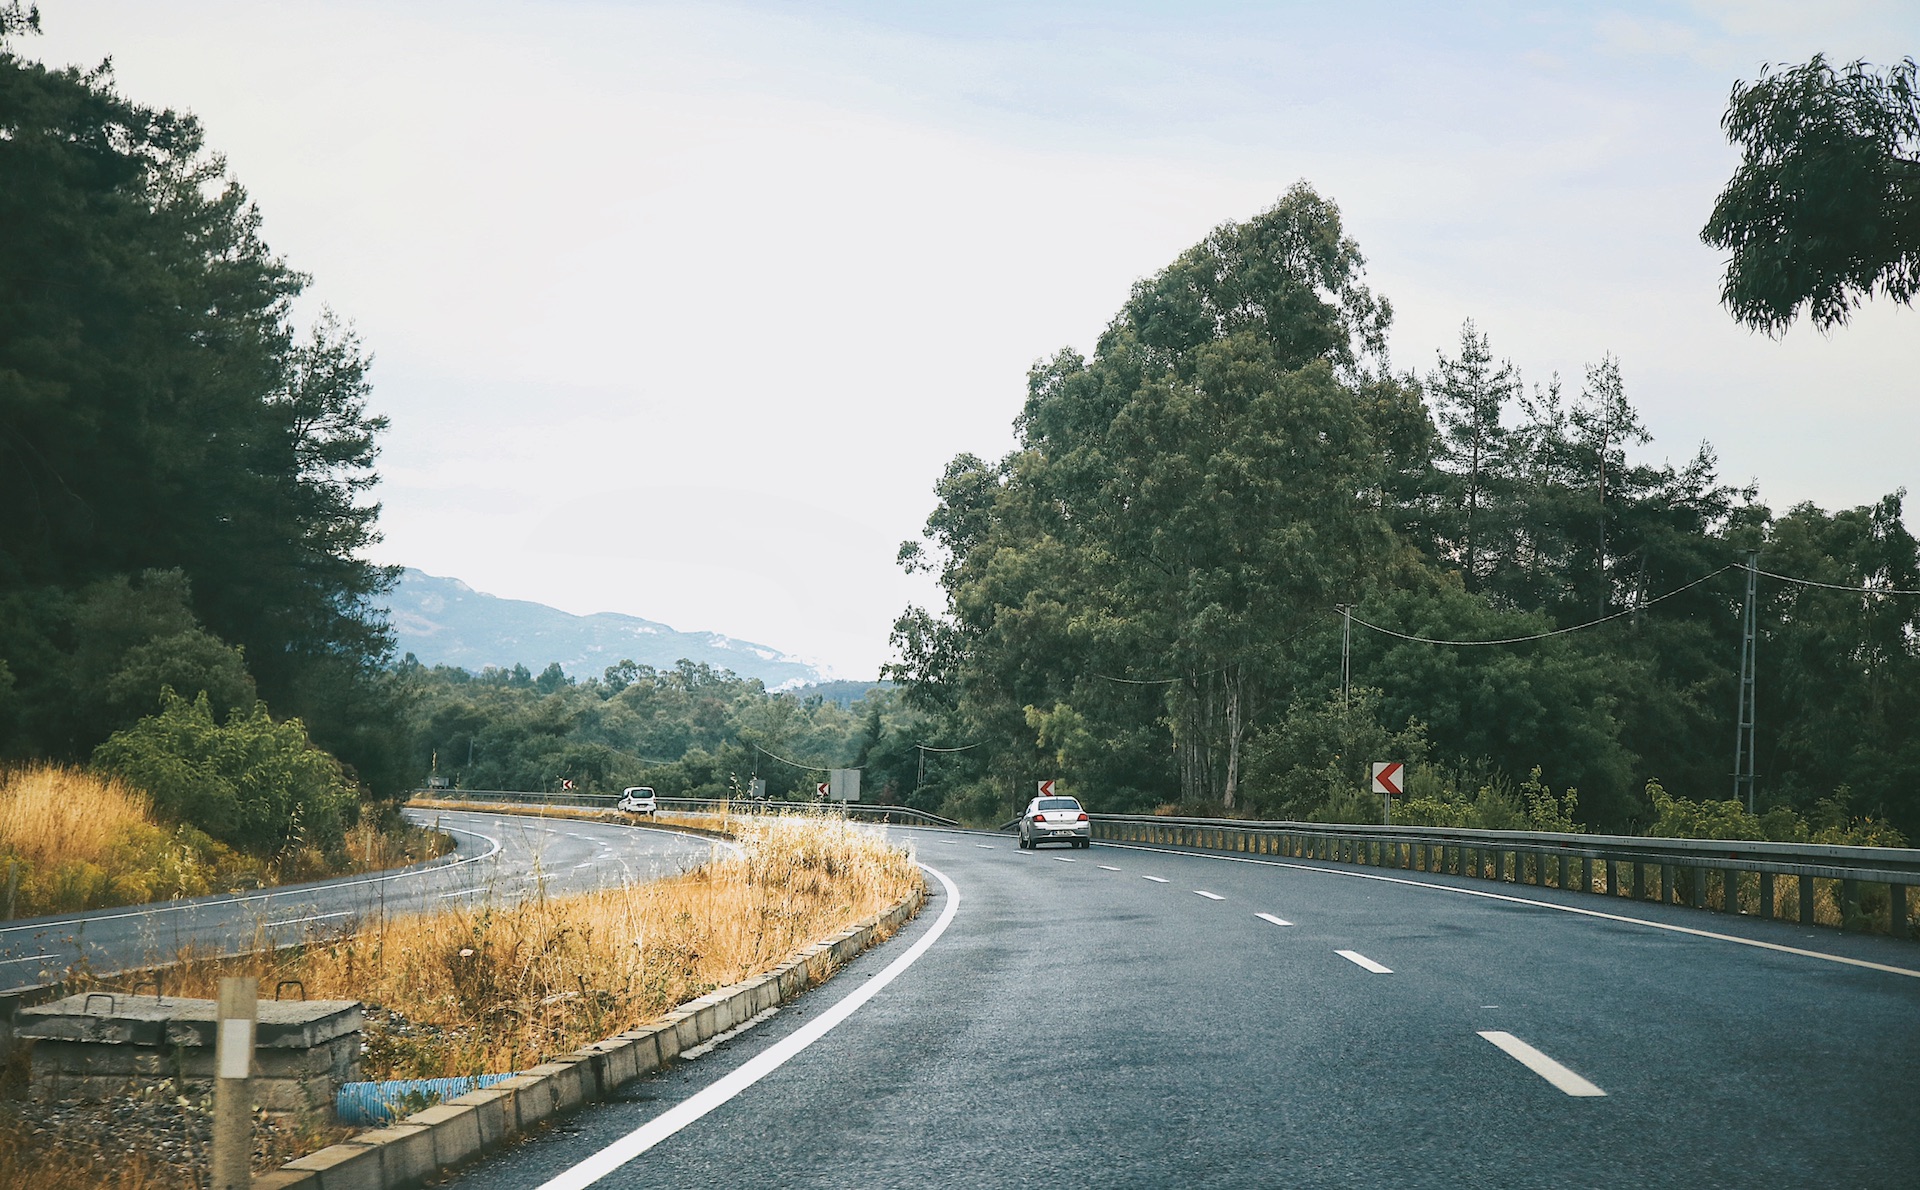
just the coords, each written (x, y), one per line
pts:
(1046, 787)
(1387, 777)
(820, 790)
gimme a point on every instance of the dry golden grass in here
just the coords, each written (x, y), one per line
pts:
(495, 987)
(51, 813)
(72, 839)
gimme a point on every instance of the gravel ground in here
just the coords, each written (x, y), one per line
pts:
(170, 1130)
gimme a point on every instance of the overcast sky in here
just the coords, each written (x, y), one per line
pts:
(679, 310)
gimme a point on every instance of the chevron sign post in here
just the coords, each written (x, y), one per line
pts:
(1388, 780)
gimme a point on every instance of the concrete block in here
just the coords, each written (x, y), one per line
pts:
(346, 1166)
(666, 1039)
(493, 1113)
(406, 1153)
(532, 1099)
(687, 1029)
(763, 994)
(565, 1082)
(740, 1004)
(620, 1062)
(287, 1179)
(456, 1132)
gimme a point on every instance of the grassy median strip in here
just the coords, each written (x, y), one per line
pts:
(496, 986)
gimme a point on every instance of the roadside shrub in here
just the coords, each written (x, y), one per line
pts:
(252, 783)
(1832, 821)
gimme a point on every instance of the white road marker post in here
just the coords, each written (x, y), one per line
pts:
(234, 1023)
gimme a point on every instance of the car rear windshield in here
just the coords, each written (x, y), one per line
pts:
(1058, 803)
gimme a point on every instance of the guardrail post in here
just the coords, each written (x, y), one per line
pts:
(1766, 895)
(1639, 881)
(1849, 902)
(1806, 900)
(1897, 923)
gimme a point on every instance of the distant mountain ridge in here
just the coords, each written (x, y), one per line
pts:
(443, 621)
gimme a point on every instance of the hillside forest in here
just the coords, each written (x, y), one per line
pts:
(1142, 599)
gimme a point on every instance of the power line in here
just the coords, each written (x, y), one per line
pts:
(1161, 681)
(961, 748)
(1807, 582)
(1515, 640)
(811, 768)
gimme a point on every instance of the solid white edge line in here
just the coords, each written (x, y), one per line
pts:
(1542, 1065)
(663, 1126)
(1360, 960)
(1574, 909)
(1278, 921)
(1201, 892)
(295, 921)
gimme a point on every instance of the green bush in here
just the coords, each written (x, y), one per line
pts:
(252, 783)
(1832, 821)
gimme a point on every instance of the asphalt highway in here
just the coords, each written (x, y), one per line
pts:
(1150, 1017)
(499, 856)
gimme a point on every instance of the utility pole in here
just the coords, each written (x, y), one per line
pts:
(1346, 653)
(1743, 739)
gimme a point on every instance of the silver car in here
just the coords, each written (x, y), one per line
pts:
(1055, 820)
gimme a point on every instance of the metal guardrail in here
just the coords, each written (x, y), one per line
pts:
(1724, 875)
(606, 801)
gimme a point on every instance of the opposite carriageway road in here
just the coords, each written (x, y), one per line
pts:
(499, 856)
(1107, 1020)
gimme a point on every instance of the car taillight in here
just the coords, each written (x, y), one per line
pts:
(1083, 818)
(1039, 817)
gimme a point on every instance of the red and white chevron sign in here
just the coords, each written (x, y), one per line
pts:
(1046, 787)
(1386, 776)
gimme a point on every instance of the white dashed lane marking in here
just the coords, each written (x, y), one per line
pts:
(1542, 1065)
(1278, 921)
(1063, 859)
(1108, 868)
(1155, 879)
(1360, 960)
(984, 846)
(1201, 892)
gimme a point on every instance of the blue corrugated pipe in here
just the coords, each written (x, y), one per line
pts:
(383, 1103)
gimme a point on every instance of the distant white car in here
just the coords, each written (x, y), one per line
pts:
(1055, 820)
(638, 799)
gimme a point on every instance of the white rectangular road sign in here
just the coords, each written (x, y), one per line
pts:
(844, 785)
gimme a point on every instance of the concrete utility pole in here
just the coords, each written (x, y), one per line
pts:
(1346, 652)
(238, 1014)
(1743, 738)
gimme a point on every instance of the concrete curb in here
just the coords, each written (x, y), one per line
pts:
(457, 1131)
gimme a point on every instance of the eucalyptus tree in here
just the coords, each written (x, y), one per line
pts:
(1182, 508)
(1824, 209)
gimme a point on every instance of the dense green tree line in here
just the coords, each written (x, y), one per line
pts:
(183, 473)
(688, 731)
(1142, 598)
